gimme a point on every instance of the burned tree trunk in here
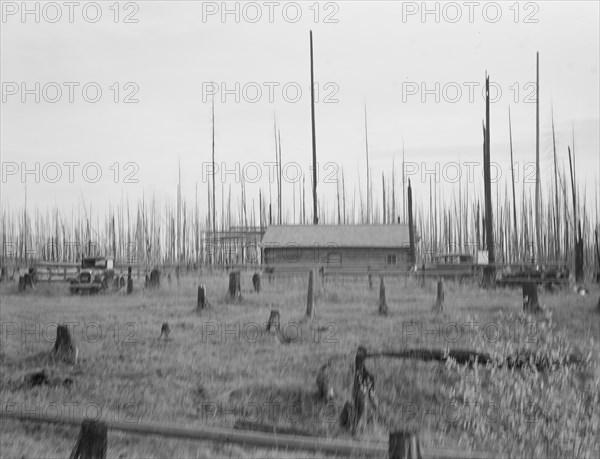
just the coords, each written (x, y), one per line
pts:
(530, 298)
(201, 302)
(383, 309)
(579, 274)
(129, 281)
(273, 322)
(64, 346)
(310, 297)
(439, 302)
(235, 289)
(404, 445)
(256, 282)
(92, 441)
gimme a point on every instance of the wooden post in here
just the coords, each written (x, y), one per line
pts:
(201, 303)
(530, 298)
(383, 309)
(439, 302)
(92, 441)
(310, 297)
(64, 346)
(235, 290)
(273, 323)
(256, 282)
(404, 445)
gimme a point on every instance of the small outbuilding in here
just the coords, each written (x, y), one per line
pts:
(342, 246)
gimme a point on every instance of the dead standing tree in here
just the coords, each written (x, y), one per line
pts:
(489, 274)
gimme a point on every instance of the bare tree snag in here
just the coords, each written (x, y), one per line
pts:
(383, 309)
(235, 289)
(64, 347)
(310, 297)
(165, 330)
(92, 442)
(530, 298)
(273, 323)
(404, 445)
(439, 302)
(324, 387)
(256, 282)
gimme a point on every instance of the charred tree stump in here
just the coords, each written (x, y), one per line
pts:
(235, 289)
(92, 441)
(439, 302)
(324, 387)
(64, 346)
(363, 392)
(165, 330)
(383, 309)
(530, 298)
(202, 302)
(129, 281)
(21, 285)
(404, 445)
(310, 297)
(3, 274)
(155, 278)
(370, 276)
(256, 282)
(273, 322)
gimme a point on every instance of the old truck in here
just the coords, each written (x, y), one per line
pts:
(95, 275)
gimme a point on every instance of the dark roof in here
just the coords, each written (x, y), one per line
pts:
(384, 236)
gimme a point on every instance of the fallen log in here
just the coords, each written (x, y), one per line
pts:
(522, 359)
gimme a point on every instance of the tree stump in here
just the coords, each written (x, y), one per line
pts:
(310, 296)
(530, 298)
(439, 301)
(165, 330)
(324, 387)
(598, 306)
(147, 282)
(129, 286)
(177, 275)
(370, 276)
(64, 346)
(363, 392)
(235, 289)
(155, 278)
(121, 282)
(273, 322)
(202, 302)
(404, 445)
(21, 285)
(3, 274)
(92, 442)
(256, 282)
(383, 309)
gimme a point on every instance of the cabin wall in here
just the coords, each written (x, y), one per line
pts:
(333, 257)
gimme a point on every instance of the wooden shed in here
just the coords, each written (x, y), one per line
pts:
(341, 246)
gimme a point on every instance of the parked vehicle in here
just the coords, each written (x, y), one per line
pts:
(94, 276)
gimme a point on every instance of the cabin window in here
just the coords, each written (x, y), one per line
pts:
(391, 259)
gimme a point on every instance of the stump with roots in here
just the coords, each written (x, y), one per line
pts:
(92, 442)
(273, 322)
(404, 445)
(256, 282)
(64, 346)
(310, 296)
(439, 301)
(235, 288)
(530, 298)
(383, 309)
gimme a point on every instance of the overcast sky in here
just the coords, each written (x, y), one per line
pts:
(382, 54)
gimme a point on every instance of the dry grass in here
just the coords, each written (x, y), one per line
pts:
(219, 360)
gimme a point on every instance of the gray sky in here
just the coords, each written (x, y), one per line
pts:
(381, 53)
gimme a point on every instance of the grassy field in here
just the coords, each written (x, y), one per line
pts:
(220, 366)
